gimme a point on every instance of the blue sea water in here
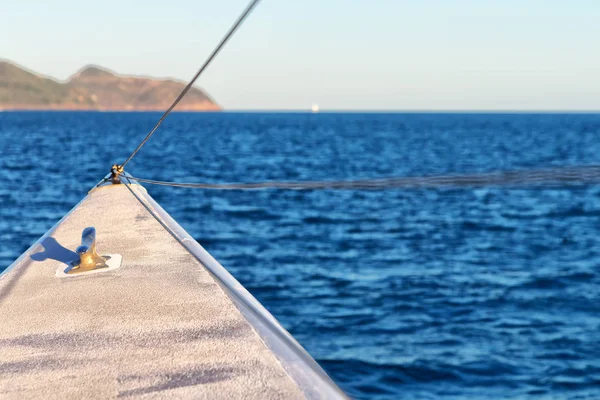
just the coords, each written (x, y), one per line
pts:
(464, 293)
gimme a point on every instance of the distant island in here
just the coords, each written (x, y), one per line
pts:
(94, 88)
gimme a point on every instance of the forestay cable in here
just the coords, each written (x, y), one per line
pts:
(544, 177)
(549, 177)
(216, 51)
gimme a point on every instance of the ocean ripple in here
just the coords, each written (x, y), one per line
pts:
(469, 293)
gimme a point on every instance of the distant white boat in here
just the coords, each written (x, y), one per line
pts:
(315, 108)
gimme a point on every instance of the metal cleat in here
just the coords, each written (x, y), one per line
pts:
(88, 258)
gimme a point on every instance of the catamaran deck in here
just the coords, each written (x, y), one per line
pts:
(161, 325)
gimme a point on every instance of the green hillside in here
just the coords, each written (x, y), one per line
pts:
(93, 88)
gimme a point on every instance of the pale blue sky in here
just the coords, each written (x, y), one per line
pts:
(342, 54)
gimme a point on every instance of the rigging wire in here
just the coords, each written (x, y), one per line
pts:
(214, 53)
(544, 177)
(548, 177)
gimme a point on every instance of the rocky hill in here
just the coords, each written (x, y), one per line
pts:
(94, 88)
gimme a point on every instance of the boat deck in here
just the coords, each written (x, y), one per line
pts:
(162, 325)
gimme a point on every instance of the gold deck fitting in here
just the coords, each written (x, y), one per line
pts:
(88, 258)
(115, 173)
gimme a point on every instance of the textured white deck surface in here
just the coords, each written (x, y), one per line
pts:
(157, 327)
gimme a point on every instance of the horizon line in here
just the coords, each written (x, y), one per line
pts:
(332, 111)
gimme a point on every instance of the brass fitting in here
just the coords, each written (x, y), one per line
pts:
(88, 258)
(115, 172)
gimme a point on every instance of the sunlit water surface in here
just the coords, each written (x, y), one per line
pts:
(438, 293)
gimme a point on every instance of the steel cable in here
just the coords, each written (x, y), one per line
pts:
(545, 177)
(214, 53)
